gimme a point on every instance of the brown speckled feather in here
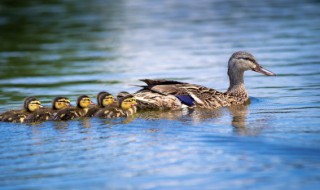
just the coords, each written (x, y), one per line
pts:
(162, 94)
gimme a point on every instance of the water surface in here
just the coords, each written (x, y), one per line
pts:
(62, 47)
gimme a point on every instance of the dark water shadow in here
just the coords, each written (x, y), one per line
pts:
(236, 116)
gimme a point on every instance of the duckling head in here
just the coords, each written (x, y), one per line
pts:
(60, 102)
(127, 102)
(32, 104)
(84, 101)
(243, 61)
(106, 99)
(122, 94)
(98, 96)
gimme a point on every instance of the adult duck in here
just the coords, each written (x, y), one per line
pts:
(168, 94)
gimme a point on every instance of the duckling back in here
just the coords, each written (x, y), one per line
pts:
(43, 114)
(110, 112)
(15, 116)
(67, 114)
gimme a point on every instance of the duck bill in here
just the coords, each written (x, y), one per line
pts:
(264, 71)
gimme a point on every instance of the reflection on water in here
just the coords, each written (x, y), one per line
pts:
(53, 48)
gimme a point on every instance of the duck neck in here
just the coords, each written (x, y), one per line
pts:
(236, 87)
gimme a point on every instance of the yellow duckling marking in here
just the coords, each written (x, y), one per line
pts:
(107, 100)
(85, 102)
(62, 103)
(34, 105)
(128, 103)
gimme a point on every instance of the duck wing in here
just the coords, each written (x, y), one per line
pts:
(165, 87)
(206, 97)
(148, 99)
(150, 82)
(188, 94)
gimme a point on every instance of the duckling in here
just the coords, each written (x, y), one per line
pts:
(30, 105)
(122, 94)
(104, 99)
(83, 103)
(167, 94)
(47, 113)
(126, 107)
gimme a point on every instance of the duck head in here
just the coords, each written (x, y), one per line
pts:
(105, 99)
(60, 102)
(243, 61)
(127, 102)
(84, 101)
(32, 104)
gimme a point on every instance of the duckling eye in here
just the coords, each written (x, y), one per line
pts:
(37, 103)
(130, 100)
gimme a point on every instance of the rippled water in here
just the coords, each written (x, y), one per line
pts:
(70, 48)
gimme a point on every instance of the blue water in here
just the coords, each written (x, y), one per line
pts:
(69, 48)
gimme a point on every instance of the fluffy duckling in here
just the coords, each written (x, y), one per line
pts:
(30, 105)
(126, 107)
(104, 99)
(122, 94)
(47, 113)
(83, 103)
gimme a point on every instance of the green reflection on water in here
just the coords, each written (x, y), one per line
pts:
(56, 39)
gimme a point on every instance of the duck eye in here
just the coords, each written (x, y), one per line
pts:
(247, 59)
